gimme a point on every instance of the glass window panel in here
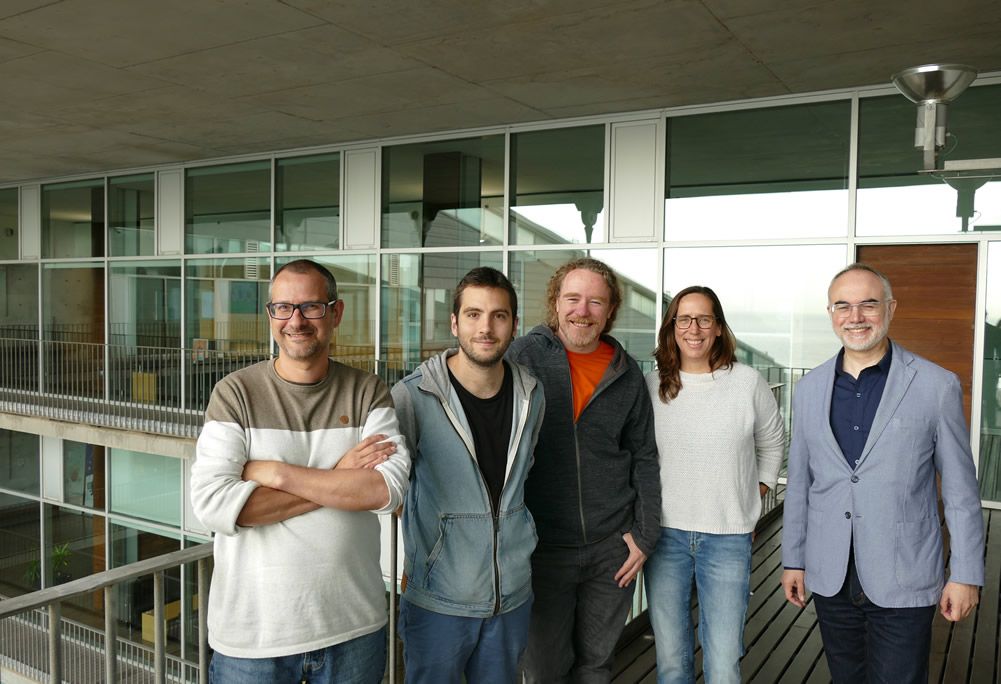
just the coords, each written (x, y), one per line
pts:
(227, 326)
(558, 186)
(73, 219)
(777, 312)
(228, 208)
(636, 320)
(135, 597)
(74, 548)
(354, 339)
(989, 471)
(417, 293)
(146, 486)
(894, 199)
(19, 327)
(131, 215)
(308, 202)
(225, 304)
(144, 311)
(19, 301)
(443, 194)
(19, 462)
(8, 224)
(73, 302)
(20, 546)
(73, 329)
(759, 173)
(144, 303)
(83, 474)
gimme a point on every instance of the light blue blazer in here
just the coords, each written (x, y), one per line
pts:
(887, 506)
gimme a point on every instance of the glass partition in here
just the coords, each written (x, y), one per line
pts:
(228, 208)
(558, 186)
(636, 321)
(20, 545)
(226, 324)
(130, 544)
(73, 302)
(19, 462)
(894, 199)
(131, 215)
(146, 486)
(8, 223)
(19, 301)
(73, 547)
(308, 202)
(73, 219)
(989, 470)
(445, 193)
(780, 172)
(144, 303)
(417, 293)
(225, 304)
(354, 340)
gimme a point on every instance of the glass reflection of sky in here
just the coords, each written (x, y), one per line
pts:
(774, 297)
(562, 220)
(923, 210)
(811, 213)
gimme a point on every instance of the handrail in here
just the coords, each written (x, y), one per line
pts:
(100, 580)
(51, 598)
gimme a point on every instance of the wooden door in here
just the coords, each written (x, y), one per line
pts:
(936, 290)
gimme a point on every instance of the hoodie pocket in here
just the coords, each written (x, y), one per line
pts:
(515, 543)
(460, 565)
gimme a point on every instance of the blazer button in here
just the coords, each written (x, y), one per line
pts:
(848, 515)
(854, 478)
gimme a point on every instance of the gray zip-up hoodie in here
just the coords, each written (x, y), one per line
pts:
(461, 556)
(600, 475)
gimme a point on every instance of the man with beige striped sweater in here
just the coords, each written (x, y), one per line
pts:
(297, 455)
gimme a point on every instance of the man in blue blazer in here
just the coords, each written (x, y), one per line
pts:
(871, 429)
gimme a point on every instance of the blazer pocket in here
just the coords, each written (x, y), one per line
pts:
(918, 554)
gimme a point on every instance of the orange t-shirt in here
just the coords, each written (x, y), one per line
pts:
(586, 371)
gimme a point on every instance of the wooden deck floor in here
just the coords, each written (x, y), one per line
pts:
(782, 643)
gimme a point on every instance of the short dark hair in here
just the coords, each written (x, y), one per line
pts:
(308, 266)
(485, 276)
(722, 355)
(585, 264)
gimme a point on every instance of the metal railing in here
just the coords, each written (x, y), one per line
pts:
(73, 649)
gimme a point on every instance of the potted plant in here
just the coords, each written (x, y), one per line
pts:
(59, 559)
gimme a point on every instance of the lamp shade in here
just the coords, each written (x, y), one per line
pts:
(938, 83)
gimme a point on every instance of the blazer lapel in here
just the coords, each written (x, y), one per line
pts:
(897, 382)
(825, 419)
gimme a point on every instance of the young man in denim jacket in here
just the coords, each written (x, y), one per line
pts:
(472, 420)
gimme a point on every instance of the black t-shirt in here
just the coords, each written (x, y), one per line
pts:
(490, 420)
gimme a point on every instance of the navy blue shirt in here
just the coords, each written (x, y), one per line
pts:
(854, 403)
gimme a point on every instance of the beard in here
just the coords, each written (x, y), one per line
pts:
(580, 337)
(484, 359)
(877, 334)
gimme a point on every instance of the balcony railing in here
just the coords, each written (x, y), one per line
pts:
(38, 643)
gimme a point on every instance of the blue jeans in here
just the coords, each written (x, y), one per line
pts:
(361, 660)
(866, 643)
(578, 614)
(440, 649)
(720, 567)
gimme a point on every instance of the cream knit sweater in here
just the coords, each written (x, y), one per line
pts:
(717, 440)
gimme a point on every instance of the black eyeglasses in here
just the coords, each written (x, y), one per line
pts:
(685, 322)
(283, 311)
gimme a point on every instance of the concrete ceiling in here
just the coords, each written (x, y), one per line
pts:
(94, 85)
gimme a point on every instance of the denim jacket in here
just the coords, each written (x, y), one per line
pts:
(460, 556)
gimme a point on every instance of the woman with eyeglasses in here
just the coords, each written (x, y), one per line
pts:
(720, 439)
